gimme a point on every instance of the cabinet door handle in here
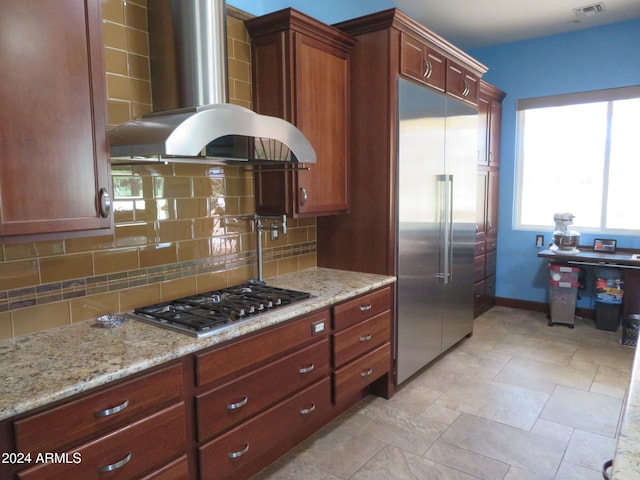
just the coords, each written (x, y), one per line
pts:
(237, 405)
(112, 411)
(239, 453)
(104, 203)
(115, 466)
(307, 369)
(304, 196)
(428, 69)
(366, 373)
(366, 338)
(365, 308)
(307, 411)
(466, 89)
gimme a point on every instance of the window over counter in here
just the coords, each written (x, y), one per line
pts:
(578, 153)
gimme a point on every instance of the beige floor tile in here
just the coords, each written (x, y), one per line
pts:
(516, 473)
(550, 372)
(395, 464)
(542, 402)
(569, 471)
(611, 381)
(552, 430)
(607, 353)
(294, 469)
(480, 467)
(509, 404)
(340, 457)
(587, 411)
(589, 450)
(544, 347)
(525, 450)
(414, 398)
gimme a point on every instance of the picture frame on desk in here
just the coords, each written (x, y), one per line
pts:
(604, 245)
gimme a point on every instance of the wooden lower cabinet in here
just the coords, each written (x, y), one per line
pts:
(221, 413)
(353, 377)
(125, 453)
(242, 451)
(175, 470)
(223, 407)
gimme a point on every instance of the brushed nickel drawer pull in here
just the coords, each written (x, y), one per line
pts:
(239, 453)
(237, 405)
(308, 369)
(307, 411)
(112, 411)
(366, 308)
(366, 373)
(366, 338)
(304, 196)
(115, 466)
(428, 70)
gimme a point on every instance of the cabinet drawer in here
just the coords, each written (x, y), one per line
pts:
(228, 405)
(306, 411)
(97, 412)
(361, 308)
(478, 263)
(492, 242)
(356, 375)
(176, 470)
(360, 338)
(222, 362)
(481, 248)
(123, 454)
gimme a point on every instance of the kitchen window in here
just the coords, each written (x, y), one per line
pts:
(579, 153)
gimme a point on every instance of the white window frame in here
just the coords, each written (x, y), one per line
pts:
(607, 95)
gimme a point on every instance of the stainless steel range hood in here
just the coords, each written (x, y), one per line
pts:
(207, 129)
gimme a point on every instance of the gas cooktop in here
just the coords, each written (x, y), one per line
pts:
(206, 313)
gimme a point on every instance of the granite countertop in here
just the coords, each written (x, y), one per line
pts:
(52, 365)
(626, 462)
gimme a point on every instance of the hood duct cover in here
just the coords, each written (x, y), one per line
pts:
(208, 130)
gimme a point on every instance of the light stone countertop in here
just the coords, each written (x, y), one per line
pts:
(626, 462)
(55, 364)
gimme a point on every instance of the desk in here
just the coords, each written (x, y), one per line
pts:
(586, 256)
(624, 259)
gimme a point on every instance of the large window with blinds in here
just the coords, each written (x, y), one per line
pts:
(580, 153)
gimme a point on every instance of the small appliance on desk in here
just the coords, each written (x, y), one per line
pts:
(565, 241)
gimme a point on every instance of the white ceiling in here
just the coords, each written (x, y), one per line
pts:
(480, 23)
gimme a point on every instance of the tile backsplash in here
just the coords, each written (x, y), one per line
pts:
(179, 228)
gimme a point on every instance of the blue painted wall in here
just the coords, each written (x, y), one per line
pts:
(328, 11)
(591, 59)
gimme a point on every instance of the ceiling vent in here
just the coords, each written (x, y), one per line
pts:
(589, 10)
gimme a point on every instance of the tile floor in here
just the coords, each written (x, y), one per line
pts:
(519, 400)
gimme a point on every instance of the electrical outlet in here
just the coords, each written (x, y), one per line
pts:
(539, 240)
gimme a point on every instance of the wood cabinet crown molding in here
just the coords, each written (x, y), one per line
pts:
(398, 19)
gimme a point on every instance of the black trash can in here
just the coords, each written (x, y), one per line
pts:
(609, 296)
(630, 327)
(608, 316)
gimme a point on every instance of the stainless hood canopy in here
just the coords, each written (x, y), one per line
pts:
(208, 130)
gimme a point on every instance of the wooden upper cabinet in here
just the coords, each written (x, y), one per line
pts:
(54, 167)
(422, 63)
(301, 73)
(461, 83)
(490, 113)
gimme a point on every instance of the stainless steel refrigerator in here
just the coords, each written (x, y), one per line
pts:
(436, 201)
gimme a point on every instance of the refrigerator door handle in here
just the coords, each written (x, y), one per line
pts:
(446, 227)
